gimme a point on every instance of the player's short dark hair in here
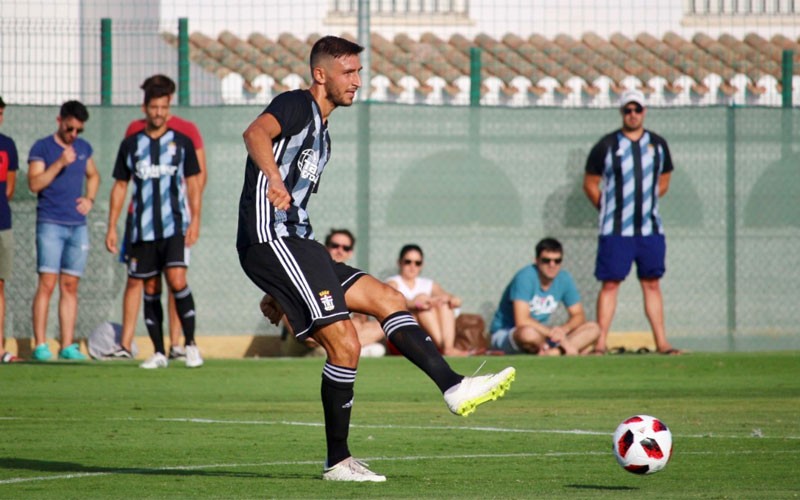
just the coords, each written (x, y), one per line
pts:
(408, 248)
(333, 232)
(2, 103)
(549, 245)
(332, 46)
(74, 109)
(157, 86)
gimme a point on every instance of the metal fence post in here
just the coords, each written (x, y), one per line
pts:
(786, 78)
(106, 62)
(363, 220)
(730, 224)
(183, 61)
(474, 76)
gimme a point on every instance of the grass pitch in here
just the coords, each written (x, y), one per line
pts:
(253, 429)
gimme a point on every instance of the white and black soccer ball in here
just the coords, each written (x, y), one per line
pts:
(642, 444)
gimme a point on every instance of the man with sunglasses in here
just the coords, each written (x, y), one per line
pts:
(521, 323)
(58, 166)
(626, 173)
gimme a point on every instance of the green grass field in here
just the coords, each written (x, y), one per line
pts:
(252, 429)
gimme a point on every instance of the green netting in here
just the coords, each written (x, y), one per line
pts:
(476, 188)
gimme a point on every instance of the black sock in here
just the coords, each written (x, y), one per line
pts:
(337, 402)
(153, 319)
(403, 331)
(184, 303)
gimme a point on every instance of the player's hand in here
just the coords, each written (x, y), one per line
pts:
(84, 205)
(111, 240)
(192, 233)
(278, 195)
(271, 309)
(68, 156)
(557, 334)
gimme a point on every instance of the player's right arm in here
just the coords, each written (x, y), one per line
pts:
(40, 177)
(116, 200)
(258, 141)
(522, 317)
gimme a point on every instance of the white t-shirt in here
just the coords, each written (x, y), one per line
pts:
(421, 285)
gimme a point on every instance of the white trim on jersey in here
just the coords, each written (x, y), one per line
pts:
(296, 276)
(262, 208)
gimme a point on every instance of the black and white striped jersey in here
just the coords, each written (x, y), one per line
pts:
(301, 152)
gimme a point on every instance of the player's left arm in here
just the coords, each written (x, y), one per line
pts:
(663, 183)
(86, 202)
(11, 183)
(194, 193)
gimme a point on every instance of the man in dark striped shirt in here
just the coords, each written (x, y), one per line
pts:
(627, 172)
(163, 165)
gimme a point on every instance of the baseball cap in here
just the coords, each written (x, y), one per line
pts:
(630, 96)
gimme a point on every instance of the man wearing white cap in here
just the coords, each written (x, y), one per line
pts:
(626, 173)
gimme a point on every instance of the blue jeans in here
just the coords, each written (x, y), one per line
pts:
(61, 248)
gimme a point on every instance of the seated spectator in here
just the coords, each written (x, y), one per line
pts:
(433, 307)
(520, 324)
(340, 244)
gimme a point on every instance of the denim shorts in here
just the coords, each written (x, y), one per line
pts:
(503, 340)
(61, 248)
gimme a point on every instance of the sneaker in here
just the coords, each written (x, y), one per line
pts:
(177, 352)
(119, 353)
(375, 350)
(462, 399)
(42, 353)
(193, 357)
(157, 360)
(351, 469)
(7, 357)
(72, 352)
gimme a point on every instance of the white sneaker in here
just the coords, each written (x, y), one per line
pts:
(351, 469)
(193, 357)
(157, 360)
(462, 399)
(374, 350)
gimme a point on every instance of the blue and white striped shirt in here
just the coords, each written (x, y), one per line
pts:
(630, 171)
(158, 168)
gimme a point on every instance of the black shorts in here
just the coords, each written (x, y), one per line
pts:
(300, 274)
(148, 258)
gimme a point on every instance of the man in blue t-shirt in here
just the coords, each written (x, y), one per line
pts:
(58, 166)
(9, 164)
(520, 324)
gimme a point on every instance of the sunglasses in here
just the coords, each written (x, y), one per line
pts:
(546, 261)
(73, 129)
(336, 246)
(408, 262)
(635, 109)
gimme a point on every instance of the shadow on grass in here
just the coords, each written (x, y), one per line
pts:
(74, 468)
(599, 487)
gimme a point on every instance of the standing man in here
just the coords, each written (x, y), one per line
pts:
(288, 147)
(159, 84)
(9, 164)
(163, 224)
(57, 167)
(520, 324)
(626, 174)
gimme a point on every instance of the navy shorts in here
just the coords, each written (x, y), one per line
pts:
(300, 274)
(149, 258)
(616, 255)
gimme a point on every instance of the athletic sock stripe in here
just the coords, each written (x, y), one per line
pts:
(152, 298)
(183, 293)
(296, 276)
(393, 323)
(339, 373)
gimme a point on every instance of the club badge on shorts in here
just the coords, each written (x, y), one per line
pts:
(326, 299)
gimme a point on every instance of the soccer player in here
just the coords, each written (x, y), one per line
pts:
(133, 289)
(288, 147)
(627, 172)
(163, 165)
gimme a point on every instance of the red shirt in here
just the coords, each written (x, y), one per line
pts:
(177, 124)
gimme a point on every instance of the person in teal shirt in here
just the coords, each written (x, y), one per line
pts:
(521, 323)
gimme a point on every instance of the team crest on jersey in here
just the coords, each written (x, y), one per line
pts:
(326, 299)
(132, 264)
(172, 148)
(308, 163)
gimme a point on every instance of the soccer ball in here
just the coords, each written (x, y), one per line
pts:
(642, 444)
